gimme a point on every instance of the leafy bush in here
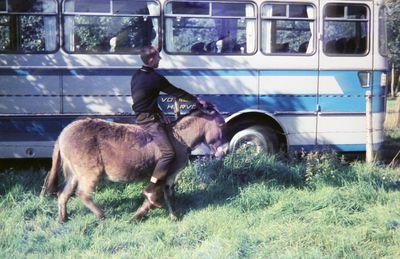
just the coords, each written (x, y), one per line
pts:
(304, 170)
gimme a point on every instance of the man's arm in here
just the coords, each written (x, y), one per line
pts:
(176, 92)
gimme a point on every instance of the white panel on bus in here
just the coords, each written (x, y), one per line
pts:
(97, 105)
(216, 84)
(30, 105)
(30, 85)
(92, 85)
(300, 129)
(282, 84)
(338, 129)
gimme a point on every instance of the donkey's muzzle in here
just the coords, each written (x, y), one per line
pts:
(222, 150)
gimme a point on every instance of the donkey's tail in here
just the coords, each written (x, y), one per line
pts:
(50, 185)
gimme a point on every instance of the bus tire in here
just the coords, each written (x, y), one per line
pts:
(262, 137)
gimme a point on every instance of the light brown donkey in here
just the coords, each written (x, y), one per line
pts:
(89, 149)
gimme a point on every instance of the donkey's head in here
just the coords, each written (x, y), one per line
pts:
(214, 129)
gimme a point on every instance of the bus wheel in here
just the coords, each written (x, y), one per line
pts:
(262, 138)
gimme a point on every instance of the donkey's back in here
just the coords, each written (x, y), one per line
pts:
(123, 152)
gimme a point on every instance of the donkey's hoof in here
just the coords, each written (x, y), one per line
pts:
(101, 217)
(137, 217)
(133, 221)
(62, 220)
(173, 217)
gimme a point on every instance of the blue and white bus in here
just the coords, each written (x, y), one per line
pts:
(286, 74)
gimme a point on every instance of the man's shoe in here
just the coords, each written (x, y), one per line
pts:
(152, 198)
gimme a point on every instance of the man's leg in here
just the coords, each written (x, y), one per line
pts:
(167, 156)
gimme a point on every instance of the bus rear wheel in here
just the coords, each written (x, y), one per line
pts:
(261, 138)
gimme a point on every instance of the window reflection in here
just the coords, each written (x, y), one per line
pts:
(200, 8)
(95, 33)
(286, 33)
(32, 6)
(345, 29)
(279, 10)
(87, 6)
(3, 5)
(28, 26)
(383, 32)
(231, 31)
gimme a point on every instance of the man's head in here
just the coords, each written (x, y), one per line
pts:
(150, 56)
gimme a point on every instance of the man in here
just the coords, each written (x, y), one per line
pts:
(146, 86)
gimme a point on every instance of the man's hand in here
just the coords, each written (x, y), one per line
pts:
(165, 118)
(202, 103)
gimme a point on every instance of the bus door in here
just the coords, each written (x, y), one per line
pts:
(289, 74)
(345, 73)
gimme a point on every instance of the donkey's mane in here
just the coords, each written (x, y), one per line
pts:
(191, 112)
(189, 119)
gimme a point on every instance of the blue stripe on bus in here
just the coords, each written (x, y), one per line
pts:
(126, 72)
(285, 103)
(27, 72)
(29, 129)
(379, 93)
(272, 103)
(22, 72)
(42, 128)
(288, 72)
(353, 97)
(208, 72)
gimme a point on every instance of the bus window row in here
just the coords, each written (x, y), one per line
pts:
(189, 27)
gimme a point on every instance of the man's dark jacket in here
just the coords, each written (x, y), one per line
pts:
(146, 86)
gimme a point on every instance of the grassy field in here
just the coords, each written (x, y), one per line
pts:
(312, 205)
(389, 152)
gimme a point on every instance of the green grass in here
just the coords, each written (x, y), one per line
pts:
(311, 205)
(247, 205)
(390, 149)
(390, 121)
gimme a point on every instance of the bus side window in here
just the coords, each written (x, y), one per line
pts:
(383, 31)
(287, 28)
(28, 26)
(224, 28)
(110, 26)
(346, 29)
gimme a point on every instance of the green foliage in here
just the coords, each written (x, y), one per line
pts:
(32, 33)
(394, 31)
(4, 33)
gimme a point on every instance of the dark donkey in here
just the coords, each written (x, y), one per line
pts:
(89, 149)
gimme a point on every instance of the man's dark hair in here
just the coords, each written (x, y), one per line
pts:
(146, 53)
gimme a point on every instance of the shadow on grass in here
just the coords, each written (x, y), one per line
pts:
(26, 174)
(389, 151)
(207, 183)
(222, 181)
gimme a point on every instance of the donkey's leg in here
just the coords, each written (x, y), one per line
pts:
(84, 192)
(169, 196)
(142, 211)
(63, 197)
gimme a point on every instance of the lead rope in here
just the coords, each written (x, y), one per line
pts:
(177, 113)
(177, 110)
